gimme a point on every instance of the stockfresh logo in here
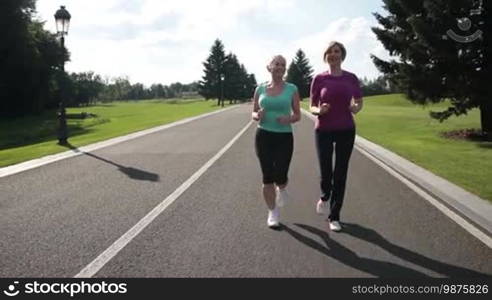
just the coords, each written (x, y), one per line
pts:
(12, 291)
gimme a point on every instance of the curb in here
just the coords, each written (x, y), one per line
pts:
(467, 205)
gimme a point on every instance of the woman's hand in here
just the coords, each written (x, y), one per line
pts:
(284, 120)
(257, 116)
(324, 108)
(356, 105)
(321, 110)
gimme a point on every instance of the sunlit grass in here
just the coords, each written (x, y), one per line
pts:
(26, 138)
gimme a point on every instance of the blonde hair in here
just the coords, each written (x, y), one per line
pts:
(333, 44)
(273, 59)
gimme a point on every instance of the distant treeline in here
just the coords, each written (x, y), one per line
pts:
(87, 87)
(378, 86)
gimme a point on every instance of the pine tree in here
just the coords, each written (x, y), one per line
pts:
(233, 79)
(211, 83)
(300, 73)
(249, 85)
(434, 65)
(238, 84)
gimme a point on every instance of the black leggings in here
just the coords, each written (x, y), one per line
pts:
(333, 181)
(274, 150)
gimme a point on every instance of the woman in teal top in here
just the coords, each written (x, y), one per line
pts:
(276, 107)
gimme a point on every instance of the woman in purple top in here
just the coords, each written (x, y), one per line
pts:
(335, 97)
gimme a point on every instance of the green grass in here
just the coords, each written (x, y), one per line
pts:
(32, 137)
(407, 129)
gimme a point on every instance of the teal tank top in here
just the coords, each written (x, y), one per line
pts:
(276, 106)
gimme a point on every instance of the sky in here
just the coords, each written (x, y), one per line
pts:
(166, 41)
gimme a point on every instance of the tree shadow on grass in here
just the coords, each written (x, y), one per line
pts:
(133, 173)
(378, 268)
(101, 105)
(46, 133)
(486, 145)
(40, 129)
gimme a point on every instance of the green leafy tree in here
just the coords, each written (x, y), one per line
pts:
(87, 88)
(300, 73)
(157, 91)
(211, 84)
(377, 86)
(30, 58)
(432, 65)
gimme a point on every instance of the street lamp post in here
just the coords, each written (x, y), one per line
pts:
(62, 18)
(222, 77)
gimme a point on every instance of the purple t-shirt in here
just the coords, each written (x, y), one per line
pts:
(337, 91)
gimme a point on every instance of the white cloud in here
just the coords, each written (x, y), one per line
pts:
(167, 40)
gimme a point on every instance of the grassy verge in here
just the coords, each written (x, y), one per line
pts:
(406, 129)
(35, 136)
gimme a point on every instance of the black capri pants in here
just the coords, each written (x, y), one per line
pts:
(274, 150)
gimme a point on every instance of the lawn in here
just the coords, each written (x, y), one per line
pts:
(407, 129)
(32, 137)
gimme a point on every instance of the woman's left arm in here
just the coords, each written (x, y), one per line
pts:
(296, 112)
(296, 108)
(356, 105)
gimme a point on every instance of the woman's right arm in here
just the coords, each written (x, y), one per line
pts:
(314, 106)
(257, 113)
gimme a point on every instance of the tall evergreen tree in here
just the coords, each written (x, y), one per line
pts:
(300, 73)
(234, 79)
(211, 83)
(251, 85)
(435, 63)
(248, 84)
(238, 84)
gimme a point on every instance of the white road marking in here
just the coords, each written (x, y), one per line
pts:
(445, 210)
(473, 230)
(92, 268)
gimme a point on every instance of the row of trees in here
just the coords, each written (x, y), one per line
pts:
(378, 86)
(86, 88)
(225, 77)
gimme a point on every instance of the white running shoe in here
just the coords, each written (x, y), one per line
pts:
(322, 207)
(273, 217)
(282, 197)
(335, 226)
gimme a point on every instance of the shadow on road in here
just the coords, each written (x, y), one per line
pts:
(374, 237)
(129, 171)
(378, 268)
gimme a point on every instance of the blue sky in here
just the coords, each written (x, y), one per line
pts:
(159, 41)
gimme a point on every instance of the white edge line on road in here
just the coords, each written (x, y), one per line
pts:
(92, 268)
(452, 215)
(473, 230)
(38, 162)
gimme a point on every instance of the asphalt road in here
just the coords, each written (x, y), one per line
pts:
(56, 219)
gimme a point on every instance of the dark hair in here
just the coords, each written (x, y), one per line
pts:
(333, 44)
